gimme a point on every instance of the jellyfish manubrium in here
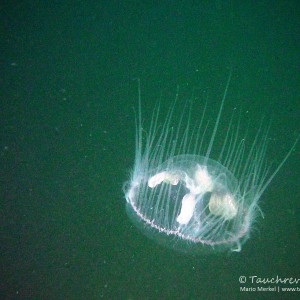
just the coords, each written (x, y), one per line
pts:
(184, 199)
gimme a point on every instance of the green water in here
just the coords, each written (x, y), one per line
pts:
(68, 96)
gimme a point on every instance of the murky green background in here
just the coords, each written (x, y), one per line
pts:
(68, 93)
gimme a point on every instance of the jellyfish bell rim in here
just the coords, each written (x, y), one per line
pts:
(178, 244)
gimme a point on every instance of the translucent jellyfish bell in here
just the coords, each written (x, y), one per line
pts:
(190, 202)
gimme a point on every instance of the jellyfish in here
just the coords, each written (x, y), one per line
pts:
(181, 197)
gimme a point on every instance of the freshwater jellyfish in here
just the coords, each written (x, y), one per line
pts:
(184, 199)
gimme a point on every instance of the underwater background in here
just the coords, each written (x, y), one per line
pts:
(68, 101)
